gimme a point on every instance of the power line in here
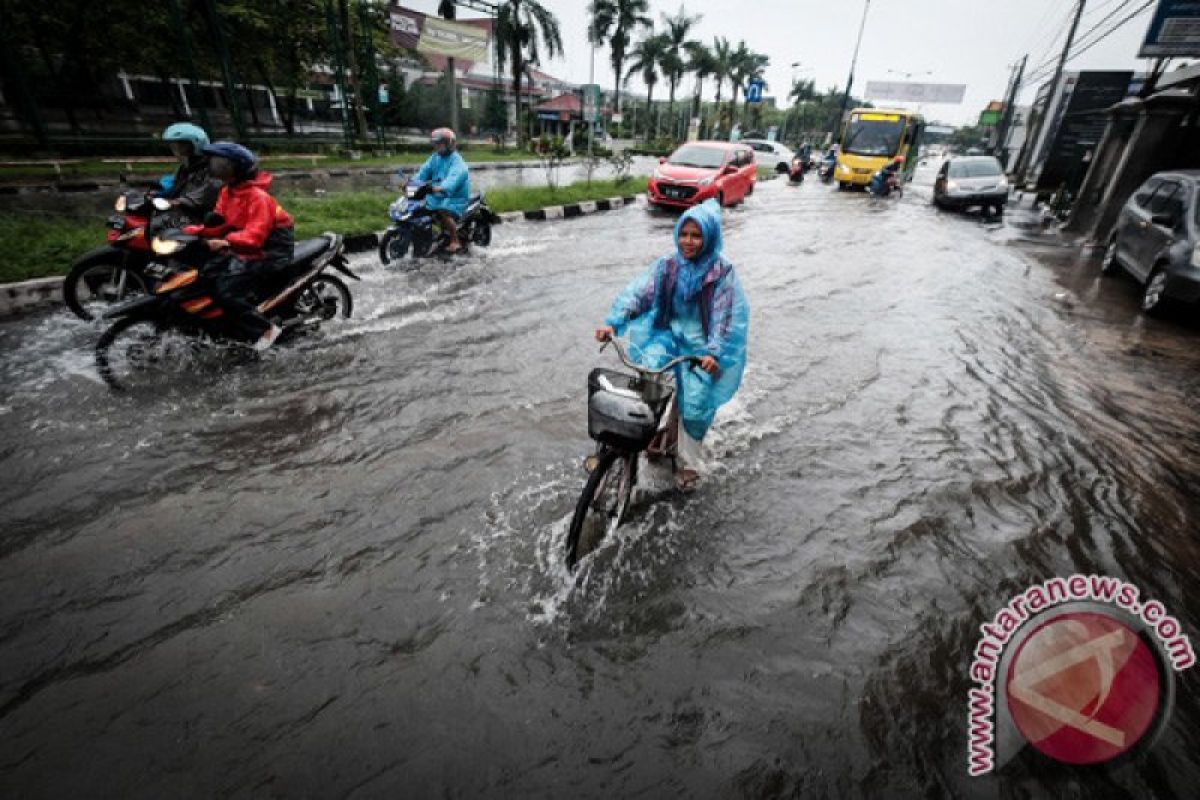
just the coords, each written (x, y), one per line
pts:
(1041, 67)
(1120, 24)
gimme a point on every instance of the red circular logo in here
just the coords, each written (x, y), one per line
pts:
(1083, 688)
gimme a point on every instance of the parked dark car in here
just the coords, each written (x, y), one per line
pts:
(964, 181)
(1156, 238)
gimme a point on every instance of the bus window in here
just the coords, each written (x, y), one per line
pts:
(874, 134)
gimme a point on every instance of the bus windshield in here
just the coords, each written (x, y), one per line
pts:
(874, 135)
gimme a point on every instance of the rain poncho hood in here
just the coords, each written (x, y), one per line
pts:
(450, 172)
(682, 307)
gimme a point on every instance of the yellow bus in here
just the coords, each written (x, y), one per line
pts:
(873, 137)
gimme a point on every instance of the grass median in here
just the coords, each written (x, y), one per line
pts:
(38, 245)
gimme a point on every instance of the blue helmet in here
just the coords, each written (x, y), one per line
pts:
(243, 158)
(187, 132)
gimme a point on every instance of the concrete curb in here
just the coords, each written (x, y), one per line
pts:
(18, 298)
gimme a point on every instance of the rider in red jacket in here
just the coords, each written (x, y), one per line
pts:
(250, 234)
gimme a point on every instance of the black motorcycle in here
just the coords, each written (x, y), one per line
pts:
(415, 226)
(825, 171)
(173, 329)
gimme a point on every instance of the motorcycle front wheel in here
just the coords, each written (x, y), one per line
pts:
(601, 505)
(136, 354)
(394, 245)
(481, 233)
(88, 289)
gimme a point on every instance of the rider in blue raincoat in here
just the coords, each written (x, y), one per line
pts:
(448, 173)
(689, 302)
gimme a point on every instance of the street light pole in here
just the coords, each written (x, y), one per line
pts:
(837, 130)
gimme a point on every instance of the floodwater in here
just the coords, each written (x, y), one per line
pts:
(338, 572)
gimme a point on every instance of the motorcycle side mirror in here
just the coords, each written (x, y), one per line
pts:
(213, 220)
(161, 204)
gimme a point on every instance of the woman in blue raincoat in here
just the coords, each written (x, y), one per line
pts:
(451, 180)
(689, 302)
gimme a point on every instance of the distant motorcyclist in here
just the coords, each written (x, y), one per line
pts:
(193, 191)
(884, 181)
(250, 235)
(448, 173)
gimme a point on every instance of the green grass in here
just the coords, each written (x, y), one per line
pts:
(38, 245)
(95, 168)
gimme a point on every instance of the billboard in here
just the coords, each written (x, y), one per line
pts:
(465, 40)
(949, 93)
(1174, 30)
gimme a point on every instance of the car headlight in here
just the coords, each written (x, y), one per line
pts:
(707, 181)
(166, 247)
(120, 204)
(951, 186)
(843, 168)
(1002, 183)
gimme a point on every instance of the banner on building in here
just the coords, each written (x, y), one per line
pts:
(902, 91)
(464, 40)
(1174, 30)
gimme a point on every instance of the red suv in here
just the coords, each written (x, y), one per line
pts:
(698, 171)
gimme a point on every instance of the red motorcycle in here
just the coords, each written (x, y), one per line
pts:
(797, 169)
(123, 267)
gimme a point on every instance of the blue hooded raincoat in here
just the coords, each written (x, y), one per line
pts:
(696, 307)
(450, 173)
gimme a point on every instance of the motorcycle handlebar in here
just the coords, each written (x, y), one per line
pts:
(623, 355)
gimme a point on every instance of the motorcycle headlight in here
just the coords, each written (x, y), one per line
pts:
(166, 247)
(120, 204)
(410, 192)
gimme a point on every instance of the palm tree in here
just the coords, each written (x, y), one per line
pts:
(647, 57)
(702, 64)
(520, 26)
(676, 32)
(615, 21)
(722, 68)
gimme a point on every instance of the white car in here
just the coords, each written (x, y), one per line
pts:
(771, 155)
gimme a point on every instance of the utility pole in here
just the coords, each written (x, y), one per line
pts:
(837, 130)
(1010, 111)
(1066, 51)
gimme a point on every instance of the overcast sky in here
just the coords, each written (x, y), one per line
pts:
(958, 41)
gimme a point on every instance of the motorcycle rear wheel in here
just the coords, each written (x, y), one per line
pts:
(325, 297)
(481, 233)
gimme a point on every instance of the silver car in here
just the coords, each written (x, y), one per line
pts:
(771, 155)
(966, 181)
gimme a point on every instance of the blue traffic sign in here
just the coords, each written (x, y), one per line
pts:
(754, 91)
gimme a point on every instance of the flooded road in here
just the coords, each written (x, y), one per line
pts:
(338, 572)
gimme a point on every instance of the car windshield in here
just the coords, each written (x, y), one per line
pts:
(874, 137)
(981, 168)
(693, 156)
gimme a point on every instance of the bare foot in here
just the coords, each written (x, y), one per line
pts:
(687, 479)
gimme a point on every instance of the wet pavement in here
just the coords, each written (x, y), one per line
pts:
(337, 572)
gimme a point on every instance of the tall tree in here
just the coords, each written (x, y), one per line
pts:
(615, 22)
(675, 33)
(701, 64)
(722, 69)
(523, 28)
(648, 57)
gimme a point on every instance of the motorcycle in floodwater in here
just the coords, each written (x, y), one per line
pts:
(796, 170)
(825, 171)
(121, 268)
(168, 331)
(889, 186)
(416, 227)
